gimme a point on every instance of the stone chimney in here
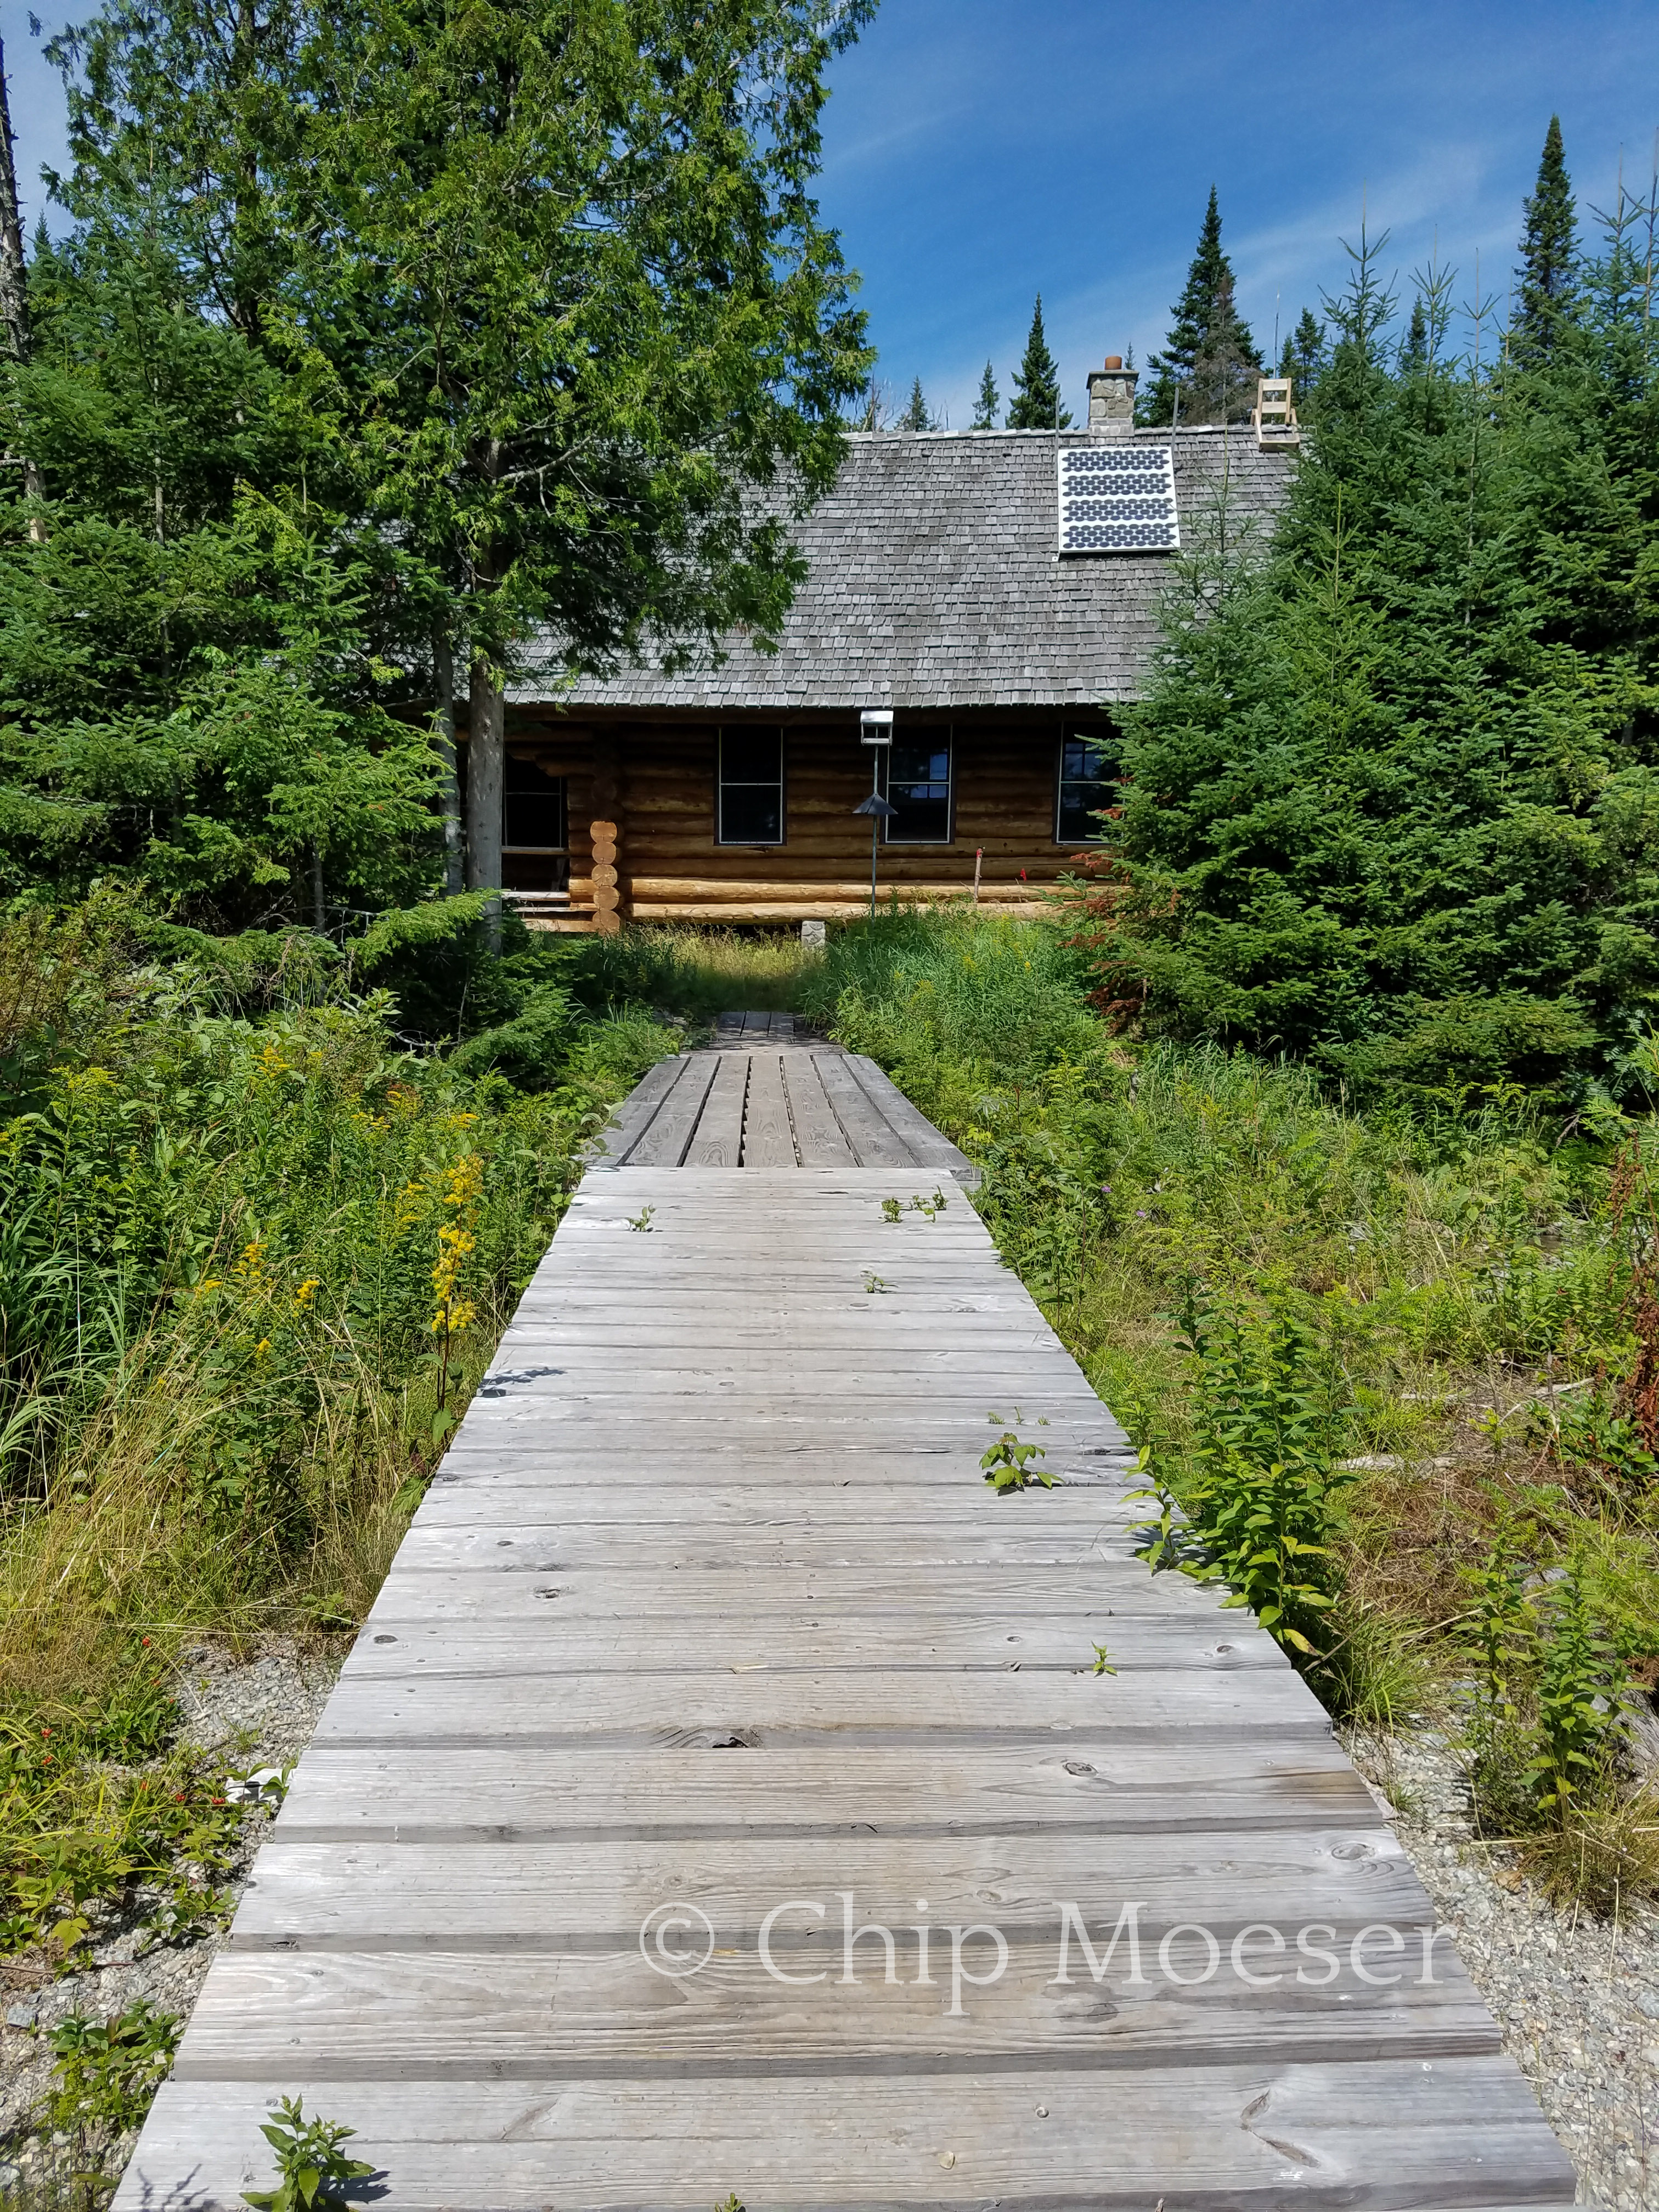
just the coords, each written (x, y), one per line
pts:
(1112, 398)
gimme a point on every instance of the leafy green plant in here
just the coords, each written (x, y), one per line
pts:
(1262, 1492)
(641, 1220)
(890, 1209)
(1008, 1464)
(106, 2072)
(1102, 1658)
(1577, 1700)
(311, 2166)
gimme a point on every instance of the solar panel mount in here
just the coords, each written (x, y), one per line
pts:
(1118, 499)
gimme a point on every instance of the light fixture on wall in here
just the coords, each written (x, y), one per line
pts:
(875, 728)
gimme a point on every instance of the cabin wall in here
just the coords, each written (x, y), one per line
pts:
(668, 866)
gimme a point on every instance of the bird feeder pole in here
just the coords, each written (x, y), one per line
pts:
(875, 730)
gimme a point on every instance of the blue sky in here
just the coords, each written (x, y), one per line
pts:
(978, 152)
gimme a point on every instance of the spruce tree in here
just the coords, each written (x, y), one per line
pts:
(1036, 403)
(989, 399)
(1415, 348)
(1549, 255)
(1205, 323)
(915, 416)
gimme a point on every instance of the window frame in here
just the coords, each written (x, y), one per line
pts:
(1076, 737)
(750, 844)
(923, 735)
(537, 852)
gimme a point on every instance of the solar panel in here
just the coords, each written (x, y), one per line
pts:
(1118, 499)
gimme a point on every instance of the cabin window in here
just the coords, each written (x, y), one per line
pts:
(919, 785)
(1088, 778)
(749, 808)
(535, 831)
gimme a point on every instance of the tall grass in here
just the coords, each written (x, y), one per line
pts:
(1219, 1239)
(693, 971)
(223, 1355)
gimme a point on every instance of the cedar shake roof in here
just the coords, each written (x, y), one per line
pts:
(935, 581)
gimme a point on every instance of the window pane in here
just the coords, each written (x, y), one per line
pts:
(532, 808)
(751, 814)
(919, 784)
(1087, 786)
(750, 797)
(751, 755)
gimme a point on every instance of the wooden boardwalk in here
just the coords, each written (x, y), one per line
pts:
(709, 1664)
(783, 1104)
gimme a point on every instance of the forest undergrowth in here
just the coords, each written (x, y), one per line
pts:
(1392, 1368)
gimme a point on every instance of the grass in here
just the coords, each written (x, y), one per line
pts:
(1395, 1374)
(1361, 1350)
(252, 1264)
(694, 972)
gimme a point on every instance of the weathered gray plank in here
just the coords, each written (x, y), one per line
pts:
(633, 1117)
(470, 2013)
(664, 1142)
(560, 1643)
(873, 1141)
(1013, 1595)
(717, 1141)
(768, 1139)
(927, 1145)
(459, 1890)
(1099, 1787)
(804, 1708)
(1378, 2135)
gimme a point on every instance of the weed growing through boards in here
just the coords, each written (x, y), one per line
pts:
(1009, 1464)
(311, 2166)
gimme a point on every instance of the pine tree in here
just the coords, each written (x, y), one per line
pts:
(989, 399)
(1414, 350)
(1206, 322)
(1300, 357)
(1226, 366)
(915, 416)
(1549, 251)
(1036, 403)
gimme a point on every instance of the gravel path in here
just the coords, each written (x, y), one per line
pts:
(1578, 2000)
(276, 1696)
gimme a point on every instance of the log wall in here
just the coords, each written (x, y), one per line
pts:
(655, 781)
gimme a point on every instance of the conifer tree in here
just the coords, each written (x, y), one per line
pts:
(989, 399)
(1549, 255)
(1205, 323)
(1036, 403)
(915, 416)
(1415, 348)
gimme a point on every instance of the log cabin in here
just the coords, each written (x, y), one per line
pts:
(995, 591)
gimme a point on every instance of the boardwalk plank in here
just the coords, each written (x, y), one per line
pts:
(769, 1140)
(927, 1146)
(1370, 2137)
(717, 1140)
(461, 1890)
(664, 1143)
(709, 1606)
(543, 2011)
(874, 1143)
(633, 1117)
(1101, 1786)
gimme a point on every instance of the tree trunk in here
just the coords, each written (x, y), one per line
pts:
(443, 664)
(486, 770)
(319, 904)
(14, 286)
